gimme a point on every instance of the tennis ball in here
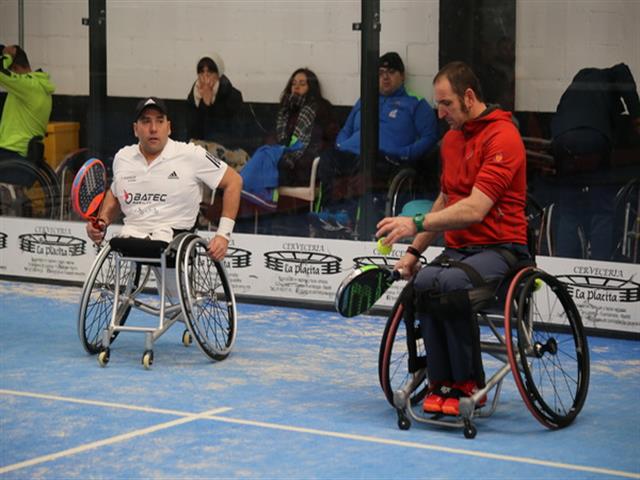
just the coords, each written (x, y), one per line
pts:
(384, 249)
(537, 284)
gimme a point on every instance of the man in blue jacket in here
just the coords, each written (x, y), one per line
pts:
(407, 131)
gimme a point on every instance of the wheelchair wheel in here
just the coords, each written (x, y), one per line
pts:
(547, 347)
(393, 358)
(27, 190)
(627, 223)
(207, 301)
(98, 293)
(65, 173)
(403, 189)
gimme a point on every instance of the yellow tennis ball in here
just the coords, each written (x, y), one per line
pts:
(537, 284)
(382, 248)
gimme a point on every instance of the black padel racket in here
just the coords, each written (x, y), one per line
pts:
(362, 288)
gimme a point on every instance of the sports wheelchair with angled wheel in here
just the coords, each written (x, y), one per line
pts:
(192, 288)
(28, 185)
(535, 331)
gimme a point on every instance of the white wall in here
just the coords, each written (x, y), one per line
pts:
(54, 39)
(153, 45)
(556, 38)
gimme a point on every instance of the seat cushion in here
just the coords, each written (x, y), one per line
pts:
(138, 247)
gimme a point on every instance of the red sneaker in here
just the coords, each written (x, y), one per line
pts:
(434, 400)
(451, 406)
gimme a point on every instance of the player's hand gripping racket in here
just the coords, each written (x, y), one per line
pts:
(88, 191)
(362, 288)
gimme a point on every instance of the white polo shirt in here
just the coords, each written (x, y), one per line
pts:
(165, 194)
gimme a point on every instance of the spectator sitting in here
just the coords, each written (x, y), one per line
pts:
(408, 130)
(216, 113)
(28, 103)
(304, 127)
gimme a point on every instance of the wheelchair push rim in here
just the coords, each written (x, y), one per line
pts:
(393, 358)
(547, 347)
(98, 293)
(207, 300)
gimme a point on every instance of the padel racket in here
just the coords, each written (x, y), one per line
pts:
(88, 190)
(362, 288)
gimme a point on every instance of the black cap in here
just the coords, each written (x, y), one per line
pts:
(150, 102)
(391, 60)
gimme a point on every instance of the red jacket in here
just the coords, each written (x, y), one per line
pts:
(488, 154)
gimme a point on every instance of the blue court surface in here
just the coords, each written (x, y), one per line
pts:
(297, 398)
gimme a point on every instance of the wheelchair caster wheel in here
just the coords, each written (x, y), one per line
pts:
(103, 357)
(470, 430)
(403, 422)
(186, 338)
(147, 359)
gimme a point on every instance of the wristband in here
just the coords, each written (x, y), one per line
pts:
(418, 220)
(225, 227)
(413, 251)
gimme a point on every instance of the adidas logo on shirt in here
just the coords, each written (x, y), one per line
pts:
(173, 176)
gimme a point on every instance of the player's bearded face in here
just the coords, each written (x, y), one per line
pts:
(451, 107)
(153, 130)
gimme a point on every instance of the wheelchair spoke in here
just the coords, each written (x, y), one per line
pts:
(208, 301)
(553, 371)
(98, 298)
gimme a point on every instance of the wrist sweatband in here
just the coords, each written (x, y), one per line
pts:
(418, 220)
(413, 251)
(225, 227)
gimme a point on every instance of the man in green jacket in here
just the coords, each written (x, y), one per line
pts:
(28, 103)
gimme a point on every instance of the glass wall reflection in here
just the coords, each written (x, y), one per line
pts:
(272, 88)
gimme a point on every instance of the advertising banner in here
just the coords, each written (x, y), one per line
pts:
(607, 294)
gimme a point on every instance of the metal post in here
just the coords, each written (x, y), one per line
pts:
(370, 51)
(21, 23)
(97, 23)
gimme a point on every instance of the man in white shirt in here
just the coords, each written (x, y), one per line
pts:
(157, 184)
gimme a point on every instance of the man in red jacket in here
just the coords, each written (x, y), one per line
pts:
(481, 210)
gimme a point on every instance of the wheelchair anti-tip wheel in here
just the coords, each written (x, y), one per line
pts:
(207, 301)
(393, 358)
(96, 303)
(547, 347)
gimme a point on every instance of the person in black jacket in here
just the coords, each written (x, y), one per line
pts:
(215, 111)
(598, 105)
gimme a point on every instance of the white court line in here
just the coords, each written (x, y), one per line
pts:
(212, 415)
(425, 446)
(95, 402)
(110, 441)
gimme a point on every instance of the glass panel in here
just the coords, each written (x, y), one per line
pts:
(530, 56)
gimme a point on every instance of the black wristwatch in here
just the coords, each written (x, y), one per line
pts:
(418, 220)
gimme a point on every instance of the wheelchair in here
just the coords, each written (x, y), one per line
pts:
(537, 335)
(28, 186)
(65, 173)
(627, 222)
(193, 289)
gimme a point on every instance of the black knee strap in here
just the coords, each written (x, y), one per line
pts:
(407, 298)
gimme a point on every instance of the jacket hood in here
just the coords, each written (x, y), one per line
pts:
(491, 114)
(45, 81)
